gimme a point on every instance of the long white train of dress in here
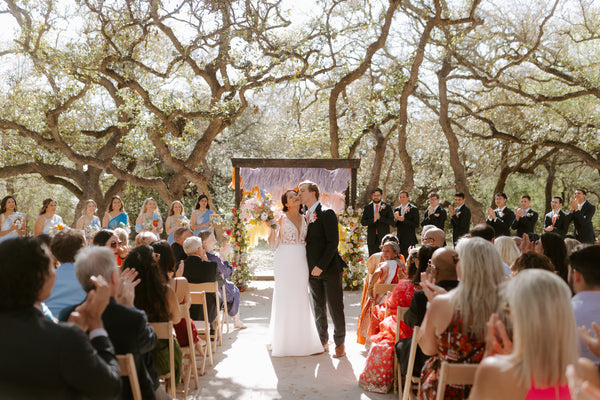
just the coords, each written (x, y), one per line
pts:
(293, 331)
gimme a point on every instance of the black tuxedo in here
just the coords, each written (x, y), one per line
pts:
(583, 230)
(561, 225)
(525, 224)
(130, 332)
(376, 230)
(502, 222)
(178, 252)
(44, 360)
(196, 270)
(405, 230)
(438, 218)
(322, 240)
(461, 222)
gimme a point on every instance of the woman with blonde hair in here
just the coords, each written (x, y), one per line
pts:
(508, 249)
(454, 327)
(149, 219)
(176, 219)
(544, 342)
(88, 221)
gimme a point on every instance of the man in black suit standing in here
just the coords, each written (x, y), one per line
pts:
(197, 269)
(502, 217)
(460, 217)
(325, 266)
(406, 216)
(435, 214)
(557, 220)
(377, 217)
(582, 212)
(525, 217)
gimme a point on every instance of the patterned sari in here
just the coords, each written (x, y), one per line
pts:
(120, 221)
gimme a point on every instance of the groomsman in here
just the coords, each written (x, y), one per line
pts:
(406, 216)
(582, 212)
(525, 217)
(502, 217)
(460, 217)
(377, 217)
(435, 214)
(557, 220)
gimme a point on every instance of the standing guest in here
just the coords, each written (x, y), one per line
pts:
(149, 219)
(406, 216)
(107, 238)
(175, 219)
(584, 279)
(377, 217)
(460, 217)
(179, 237)
(48, 222)
(12, 222)
(538, 304)
(435, 214)
(88, 221)
(67, 291)
(209, 242)
(557, 220)
(525, 217)
(582, 212)
(200, 218)
(41, 359)
(454, 327)
(502, 217)
(115, 216)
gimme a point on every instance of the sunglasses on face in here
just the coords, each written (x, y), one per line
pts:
(114, 244)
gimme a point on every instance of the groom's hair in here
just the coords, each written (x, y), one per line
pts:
(312, 187)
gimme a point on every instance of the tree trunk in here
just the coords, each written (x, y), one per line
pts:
(380, 147)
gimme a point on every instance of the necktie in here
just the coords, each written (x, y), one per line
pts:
(554, 217)
(376, 208)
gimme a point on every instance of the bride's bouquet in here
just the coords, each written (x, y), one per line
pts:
(262, 210)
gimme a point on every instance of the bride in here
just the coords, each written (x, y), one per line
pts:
(292, 330)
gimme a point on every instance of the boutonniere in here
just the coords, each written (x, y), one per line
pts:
(312, 218)
(500, 214)
(436, 215)
(407, 210)
(458, 214)
(529, 214)
(383, 206)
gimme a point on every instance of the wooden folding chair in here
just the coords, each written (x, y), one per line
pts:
(455, 374)
(400, 311)
(410, 382)
(164, 330)
(383, 288)
(199, 298)
(127, 367)
(189, 351)
(212, 287)
(225, 317)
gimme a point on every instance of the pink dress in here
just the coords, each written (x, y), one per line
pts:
(551, 393)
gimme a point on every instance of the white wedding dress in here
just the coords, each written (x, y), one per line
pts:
(293, 331)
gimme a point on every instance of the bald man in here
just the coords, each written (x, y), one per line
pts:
(434, 237)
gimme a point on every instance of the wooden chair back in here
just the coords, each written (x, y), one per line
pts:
(400, 311)
(189, 351)
(199, 298)
(164, 330)
(127, 366)
(211, 287)
(410, 382)
(455, 374)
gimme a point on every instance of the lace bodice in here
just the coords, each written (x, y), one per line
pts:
(288, 234)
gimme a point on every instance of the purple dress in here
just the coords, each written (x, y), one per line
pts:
(231, 291)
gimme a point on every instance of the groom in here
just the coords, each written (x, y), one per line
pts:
(325, 266)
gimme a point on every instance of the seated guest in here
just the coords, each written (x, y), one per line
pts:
(197, 269)
(145, 238)
(232, 293)
(487, 232)
(123, 237)
(434, 237)
(41, 359)
(552, 245)
(179, 237)
(108, 238)
(372, 263)
(531, 260)
(454, 327)
(535, 369)
(67, 290)
(127, 327)
(508, 249)
(571, 244)
(154, 296)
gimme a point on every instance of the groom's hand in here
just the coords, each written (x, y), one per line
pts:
(316, 271)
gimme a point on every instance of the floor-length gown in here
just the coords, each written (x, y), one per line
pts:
(293, 330)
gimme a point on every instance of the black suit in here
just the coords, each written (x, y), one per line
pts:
(438, 218)
(322, 240)
(561, 225)
(376, 230)
(461, 222)
(196, 270)
(44, 360)
(405, 230)
(130, 332)
(178, 252)
(502, 222)
(583, 230)
(525, 224)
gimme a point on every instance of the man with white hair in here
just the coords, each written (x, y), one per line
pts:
(197, 269)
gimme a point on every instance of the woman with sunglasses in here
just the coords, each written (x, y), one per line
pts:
(108, 238)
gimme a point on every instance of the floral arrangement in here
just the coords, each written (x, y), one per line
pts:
(260, 210)
(56, 228)
(183, 222)
(91, 230)
(242, 273)
(351, 242)
(151, 223)
(18, 219)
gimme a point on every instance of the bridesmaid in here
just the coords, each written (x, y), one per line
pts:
(89, 222)
(200, 218)
(115, 216)
(48, 218)
(12, 223)
(176, 219)
(149, 219)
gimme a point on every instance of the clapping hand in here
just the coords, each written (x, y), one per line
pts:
(519, 212)
(591, 339)
(224, 251)
(431, 289)
(497, 340)
(491, 213)
(451, 209)
(574, 205)
(126, 289)
(580, 389)
(179, 272)
(526, 244)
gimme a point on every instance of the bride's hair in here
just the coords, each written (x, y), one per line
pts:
(284, 198)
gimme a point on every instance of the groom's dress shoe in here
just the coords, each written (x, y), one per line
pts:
(325, 347)
(339, 351)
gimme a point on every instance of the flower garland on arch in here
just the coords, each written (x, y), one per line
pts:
(351, 243)
(242, 274)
